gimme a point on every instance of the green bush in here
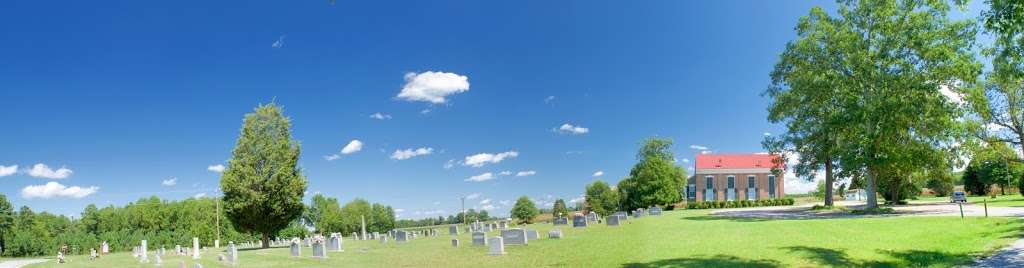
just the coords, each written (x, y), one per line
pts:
(740, 203)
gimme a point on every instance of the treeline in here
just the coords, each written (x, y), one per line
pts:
(162, 223)
(471, 216)
(326, 216)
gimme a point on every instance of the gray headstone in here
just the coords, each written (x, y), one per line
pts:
(592, 216)
(479, 238)
(497, 246)
(455, 242)
(612, 220)
(335, 242)
(655, 211)
(401, 236)
(579, 221)
(296, 249)
(319, 249)
(453, 230)
(514, 236)
(561, 221)
(503, 225)
(232, 253)
(532, 234)
(197, 265)
(555, 234)
(157, 260)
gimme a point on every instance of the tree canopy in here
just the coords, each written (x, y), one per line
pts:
(601, 198)
(524, 210)
(655, 180)
(263, 185)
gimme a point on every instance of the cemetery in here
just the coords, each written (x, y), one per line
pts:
(647, 240)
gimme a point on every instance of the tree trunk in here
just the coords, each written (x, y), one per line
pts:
(870, 190)
(266, 240)
(828, 182)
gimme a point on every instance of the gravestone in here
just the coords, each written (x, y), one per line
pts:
(579, 221)
(177, 249)
(479, 238)
(555, 234)
(296, 249)
(453, 230)
(455, 242)
(157, 260)
(143, 252)
(592, 216)
(497, 246)
(561, 221)
(105, 248)
(335, 242)
(612, 220)
(232, 253)
(319, 249)
(216, 243)
(401, 236)
(655, 211)
(532, 234)
(638, 213)
(502, 225)
(195, 248)
(197, 265)
(514, 236)
(383, 239)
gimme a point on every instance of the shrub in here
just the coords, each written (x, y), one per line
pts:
(739, 203)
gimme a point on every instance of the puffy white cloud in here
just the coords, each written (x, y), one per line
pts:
(485, 201)
(505, 202)
(432, 87)
(410, 153)
(598, 173)
(482, 177)
(54, 189)
(216, 168)
(698, 147)
(199, 195)
(380, 116)
(352, 147)
(526, 173)
(686, 160)
(473, 196)
(481, 159)
(505, 173)
(42, 171)
(954, 97)
(449, 164)
(279, 43)
(549, 99)
(399, 210)
(332, 157)
(8, 170)
(571, 129)
(766, 134)
(170, 182)
(488, 207)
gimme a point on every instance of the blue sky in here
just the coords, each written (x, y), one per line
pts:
(127, 96)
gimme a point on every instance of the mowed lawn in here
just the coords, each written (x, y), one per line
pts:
(1008, 200)
(676, 239)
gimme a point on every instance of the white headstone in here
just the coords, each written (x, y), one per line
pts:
(232, 253)
(296, 249)
(195, 248)
(497, 246)
(143, 251)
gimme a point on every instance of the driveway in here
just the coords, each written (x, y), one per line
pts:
(20, 263)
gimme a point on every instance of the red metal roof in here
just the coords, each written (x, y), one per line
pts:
(737, 161)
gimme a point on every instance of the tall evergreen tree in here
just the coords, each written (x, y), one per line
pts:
(263, 185)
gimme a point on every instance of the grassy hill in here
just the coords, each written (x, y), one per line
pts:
(676, 239)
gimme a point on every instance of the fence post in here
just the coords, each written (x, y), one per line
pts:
(961, 210)
(986, 208)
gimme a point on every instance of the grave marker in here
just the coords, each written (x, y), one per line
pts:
(479, 238)
(514, 236)
(579, 221)
(555, 234)
(497, 246)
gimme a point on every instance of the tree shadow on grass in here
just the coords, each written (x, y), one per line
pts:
(908, 258)
(714, 261)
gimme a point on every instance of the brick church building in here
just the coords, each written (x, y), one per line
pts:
(728, 177)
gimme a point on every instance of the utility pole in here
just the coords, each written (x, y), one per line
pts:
(463, 210)
(217, 201)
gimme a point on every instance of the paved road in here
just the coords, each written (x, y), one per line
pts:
(20, 263)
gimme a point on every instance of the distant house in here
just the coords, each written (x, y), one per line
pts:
(728, 177)
(856, 195)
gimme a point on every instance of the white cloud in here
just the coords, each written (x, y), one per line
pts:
(698, 147)
(549, 99)
(487, 207)
(482, 177)
(705, 152)
(332, 157)
(399, 210)
(767, 134)
(449, 164)
(42, 171)
(169, 182)
(410, 153)
(478, 160)
(199, 195)
(578, 200)
(8, 170)
(425, 111)
(485, 201)
(954, 97)
(216, 168)
(686, 160)
(380, 116)
(797, 185)
(505, 173)
(598, 173)
(432, 87)
(279, 43)
(526, 173)
(352, 147)
(54, 189)
(571, 129)
(505, 202)
(473, 196)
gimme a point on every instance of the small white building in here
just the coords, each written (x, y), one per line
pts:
(856, 195)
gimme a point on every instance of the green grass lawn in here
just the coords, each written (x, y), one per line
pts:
(676, 239)
(1009, 200)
